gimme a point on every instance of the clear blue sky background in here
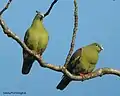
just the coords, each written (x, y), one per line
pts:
(99, 21)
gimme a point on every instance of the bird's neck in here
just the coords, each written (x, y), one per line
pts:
(37, 24)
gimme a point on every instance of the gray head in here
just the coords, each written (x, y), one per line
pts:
(39, 16)
(96, 46)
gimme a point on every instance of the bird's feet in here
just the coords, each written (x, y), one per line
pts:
(82, 75)
(89, 74)
(40, 57)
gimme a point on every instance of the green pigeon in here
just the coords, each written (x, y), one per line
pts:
(36, 38)
(83, 61)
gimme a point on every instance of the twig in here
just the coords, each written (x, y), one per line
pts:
(47, 13)
(74, 33)
(98, 72)
(6, 7)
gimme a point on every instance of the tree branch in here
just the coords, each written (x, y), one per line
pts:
(47, 13)
(6, 7)
(98, 72)
(74, 33)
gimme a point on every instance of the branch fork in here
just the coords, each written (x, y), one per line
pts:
(62, 69)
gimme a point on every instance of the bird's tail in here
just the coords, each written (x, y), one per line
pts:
(27, 64)
(63, 83)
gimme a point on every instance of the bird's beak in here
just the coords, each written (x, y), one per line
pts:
(41, 15)
(102, 47)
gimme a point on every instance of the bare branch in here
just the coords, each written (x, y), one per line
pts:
(47, 13)
(98, 72)
(74, 33)
(6, 7)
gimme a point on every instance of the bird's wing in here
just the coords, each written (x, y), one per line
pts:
(75, 59)
(26, 36)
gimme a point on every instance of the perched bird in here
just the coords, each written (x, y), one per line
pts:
(83, 61)
(36, 39)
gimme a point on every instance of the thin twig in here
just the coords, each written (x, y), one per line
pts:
(74, 33)
(47, 13)
(6, 7)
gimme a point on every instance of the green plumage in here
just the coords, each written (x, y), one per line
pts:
(82, 61)
(36, 38)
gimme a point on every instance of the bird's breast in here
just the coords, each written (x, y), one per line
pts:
(38, 39)
(91, 56)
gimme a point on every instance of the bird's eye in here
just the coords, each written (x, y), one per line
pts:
(97, 45)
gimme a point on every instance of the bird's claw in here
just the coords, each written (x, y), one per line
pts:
(89, 74)
(41, 57)
(83, 76)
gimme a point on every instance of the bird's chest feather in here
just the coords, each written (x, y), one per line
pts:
(37, 39)
(88, 60)
(90, 56)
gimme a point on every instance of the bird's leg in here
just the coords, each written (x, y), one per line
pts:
(89, 74)
(35, 53)
(82, 75)
(40, 57)
(38, 54)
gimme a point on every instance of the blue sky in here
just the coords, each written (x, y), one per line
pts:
(99, 21)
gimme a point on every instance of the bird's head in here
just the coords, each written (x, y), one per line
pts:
(39, 16)
(96, 46)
